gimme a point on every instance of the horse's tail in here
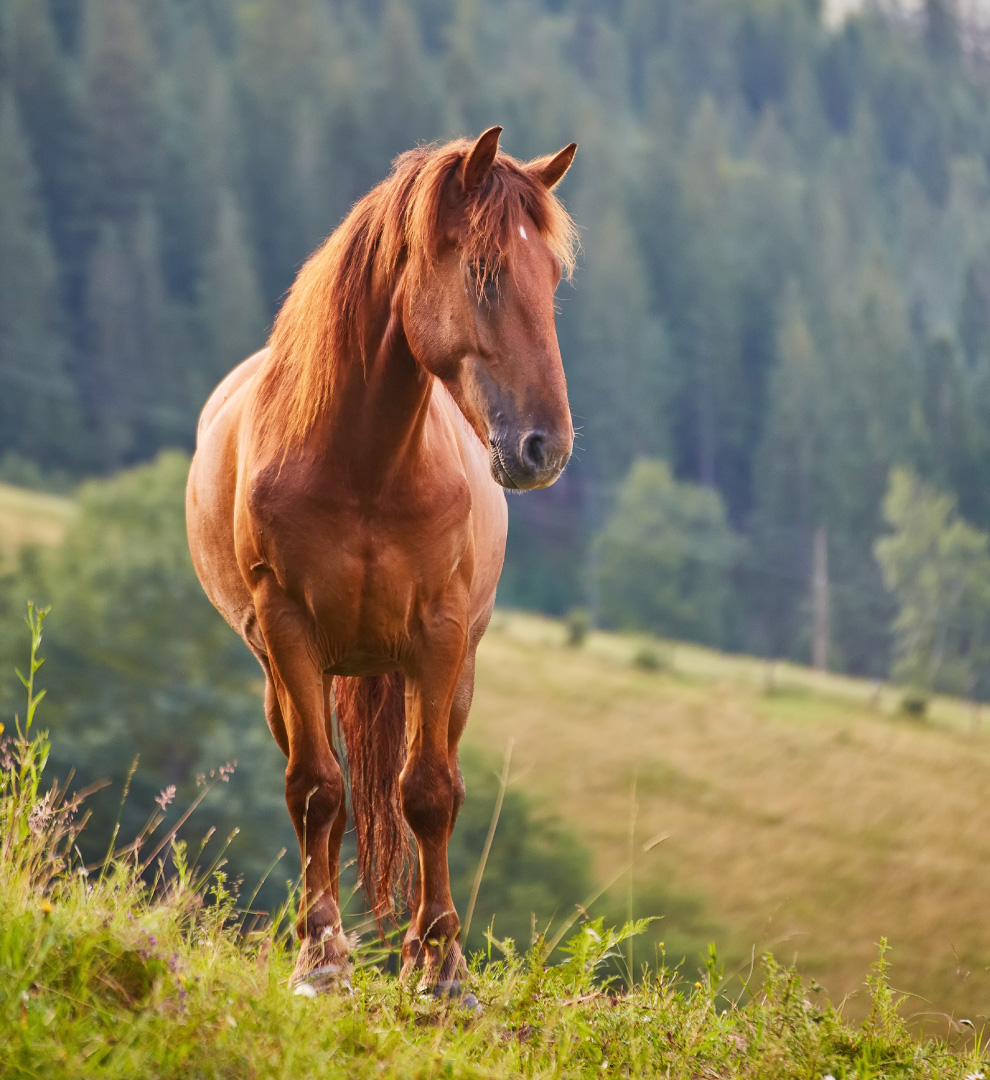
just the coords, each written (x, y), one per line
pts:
(371, 714)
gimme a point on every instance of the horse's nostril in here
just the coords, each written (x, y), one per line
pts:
(533, 451)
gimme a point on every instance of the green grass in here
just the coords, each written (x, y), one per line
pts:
(143, 966)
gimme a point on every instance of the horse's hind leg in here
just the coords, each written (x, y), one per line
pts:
(314, 786)
(336, 836)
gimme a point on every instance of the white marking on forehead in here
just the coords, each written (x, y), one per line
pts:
(522, 233)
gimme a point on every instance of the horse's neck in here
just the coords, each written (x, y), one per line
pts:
(380, 405)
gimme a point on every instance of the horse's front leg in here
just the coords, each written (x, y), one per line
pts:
(430, 794)
(314, 785)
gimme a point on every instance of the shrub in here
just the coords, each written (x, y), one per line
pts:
(650, 659)
(914, 704)
(578, 626)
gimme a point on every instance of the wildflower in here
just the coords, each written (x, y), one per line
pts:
(697, 986)
(46, 907)
(166, 796)
(227, 771)
(41, 814)
(973, 1076)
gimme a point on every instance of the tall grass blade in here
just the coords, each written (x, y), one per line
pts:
(486, 851)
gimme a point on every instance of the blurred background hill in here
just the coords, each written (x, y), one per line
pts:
(777, 346)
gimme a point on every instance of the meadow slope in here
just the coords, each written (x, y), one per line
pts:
(31, 517)
(806, 817)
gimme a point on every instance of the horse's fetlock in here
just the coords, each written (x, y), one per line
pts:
(439, 927)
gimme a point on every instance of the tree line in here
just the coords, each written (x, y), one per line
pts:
(784, 291)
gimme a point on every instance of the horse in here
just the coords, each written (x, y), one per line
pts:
(346, 514)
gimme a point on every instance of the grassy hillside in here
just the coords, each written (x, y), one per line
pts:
(102, 975)
(800, 811)
(31, 517)
(806, 815)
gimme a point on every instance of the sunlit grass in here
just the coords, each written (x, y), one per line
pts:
(31, 517)
(144, 965)
(805, 815)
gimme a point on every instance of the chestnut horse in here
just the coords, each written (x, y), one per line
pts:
(346, 514)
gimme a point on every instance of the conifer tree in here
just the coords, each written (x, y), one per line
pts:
(108, 389)
(231, 308)
(36, 402)
(286, 48)
(122, 105)
(138, 383)
(55, 124)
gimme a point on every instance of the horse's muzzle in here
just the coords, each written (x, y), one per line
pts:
(533, 460)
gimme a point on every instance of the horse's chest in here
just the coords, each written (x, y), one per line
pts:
(373, 584)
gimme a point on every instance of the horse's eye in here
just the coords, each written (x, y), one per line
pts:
(485, 275)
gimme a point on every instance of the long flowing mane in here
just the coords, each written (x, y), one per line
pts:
(399, 225)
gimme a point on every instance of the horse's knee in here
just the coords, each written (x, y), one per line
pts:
(426, 791)
(314, 795)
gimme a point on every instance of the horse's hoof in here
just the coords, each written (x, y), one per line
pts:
(450, 989)
(322, 980)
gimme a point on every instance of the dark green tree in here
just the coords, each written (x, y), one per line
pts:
(665, 558)
(123, 106)
(37, 410)
(232, 312)
(55, 122)
(938, 568)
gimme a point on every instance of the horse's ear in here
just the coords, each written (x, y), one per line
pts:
(551, 169)
(481, 159)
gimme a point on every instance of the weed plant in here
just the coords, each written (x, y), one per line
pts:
(146, 966)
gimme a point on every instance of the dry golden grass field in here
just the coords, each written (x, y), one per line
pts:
(807, 817)
(31, 517)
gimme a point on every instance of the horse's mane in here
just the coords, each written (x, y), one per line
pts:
(398, 224)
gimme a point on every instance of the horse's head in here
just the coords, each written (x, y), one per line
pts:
(481, 315)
